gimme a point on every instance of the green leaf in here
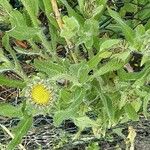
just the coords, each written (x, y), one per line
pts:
(5, 4)
(130, 111)
(22, 129)
(118, 115)
(64, 100)
(62, 115)
(17, 19)
(131, 76)
(139, 30)
(11, 82)
(48, 11)
(106, 102)
(128, 32)
(123, 56)
(70, 112)
(28, 52)
(20, 32)
(72, 12)
(83, 73)
(118, 131)
(108, 107)
(5, 63)
(145, 105)
(88, 32)
(98, 11)
(91, 27)
(93, 62)
(8, 110)
(81, 5)
(80, 71)
(84, 122)
(103, 52)
(112, 65)
(32, 6)
(145, 59)
(109, 43)
(147, 25)
(50, 68)
(32, 9)
(136, 104)
(70, 28)
(93, 146)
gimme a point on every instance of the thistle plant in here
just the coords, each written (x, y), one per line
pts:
(92, 71)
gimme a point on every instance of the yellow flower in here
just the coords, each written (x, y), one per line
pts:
(40, 94)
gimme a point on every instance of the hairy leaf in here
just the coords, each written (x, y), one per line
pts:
(112, 65)
(50, 68)
(70, 112)
(8, 110)
(130, 111)
(11, 82)
(128, 32)
(22, 129)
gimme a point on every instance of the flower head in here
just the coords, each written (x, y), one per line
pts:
(40, 93)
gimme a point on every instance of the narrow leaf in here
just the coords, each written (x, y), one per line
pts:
(11, 82)
(145, 105)
(130, 111)
(20, 32)
(107, 105)
(50, 68)
(8, 110)
(22, 129)
(109, 43)
(112, 65)
(103, 52)
(128, 32)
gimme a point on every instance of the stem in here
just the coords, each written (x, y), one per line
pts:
(57, 14)
(60, 24)
(48, 12)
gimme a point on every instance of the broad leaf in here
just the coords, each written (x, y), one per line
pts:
(70, 112)
(84, 122)
(6, 5)
(72, 12)
(17, 19)
(71, 27)
(145, 105)
(80, 71)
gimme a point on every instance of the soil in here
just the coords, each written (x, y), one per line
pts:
(44, 133)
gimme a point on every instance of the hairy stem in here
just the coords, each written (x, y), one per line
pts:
(60, 24)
